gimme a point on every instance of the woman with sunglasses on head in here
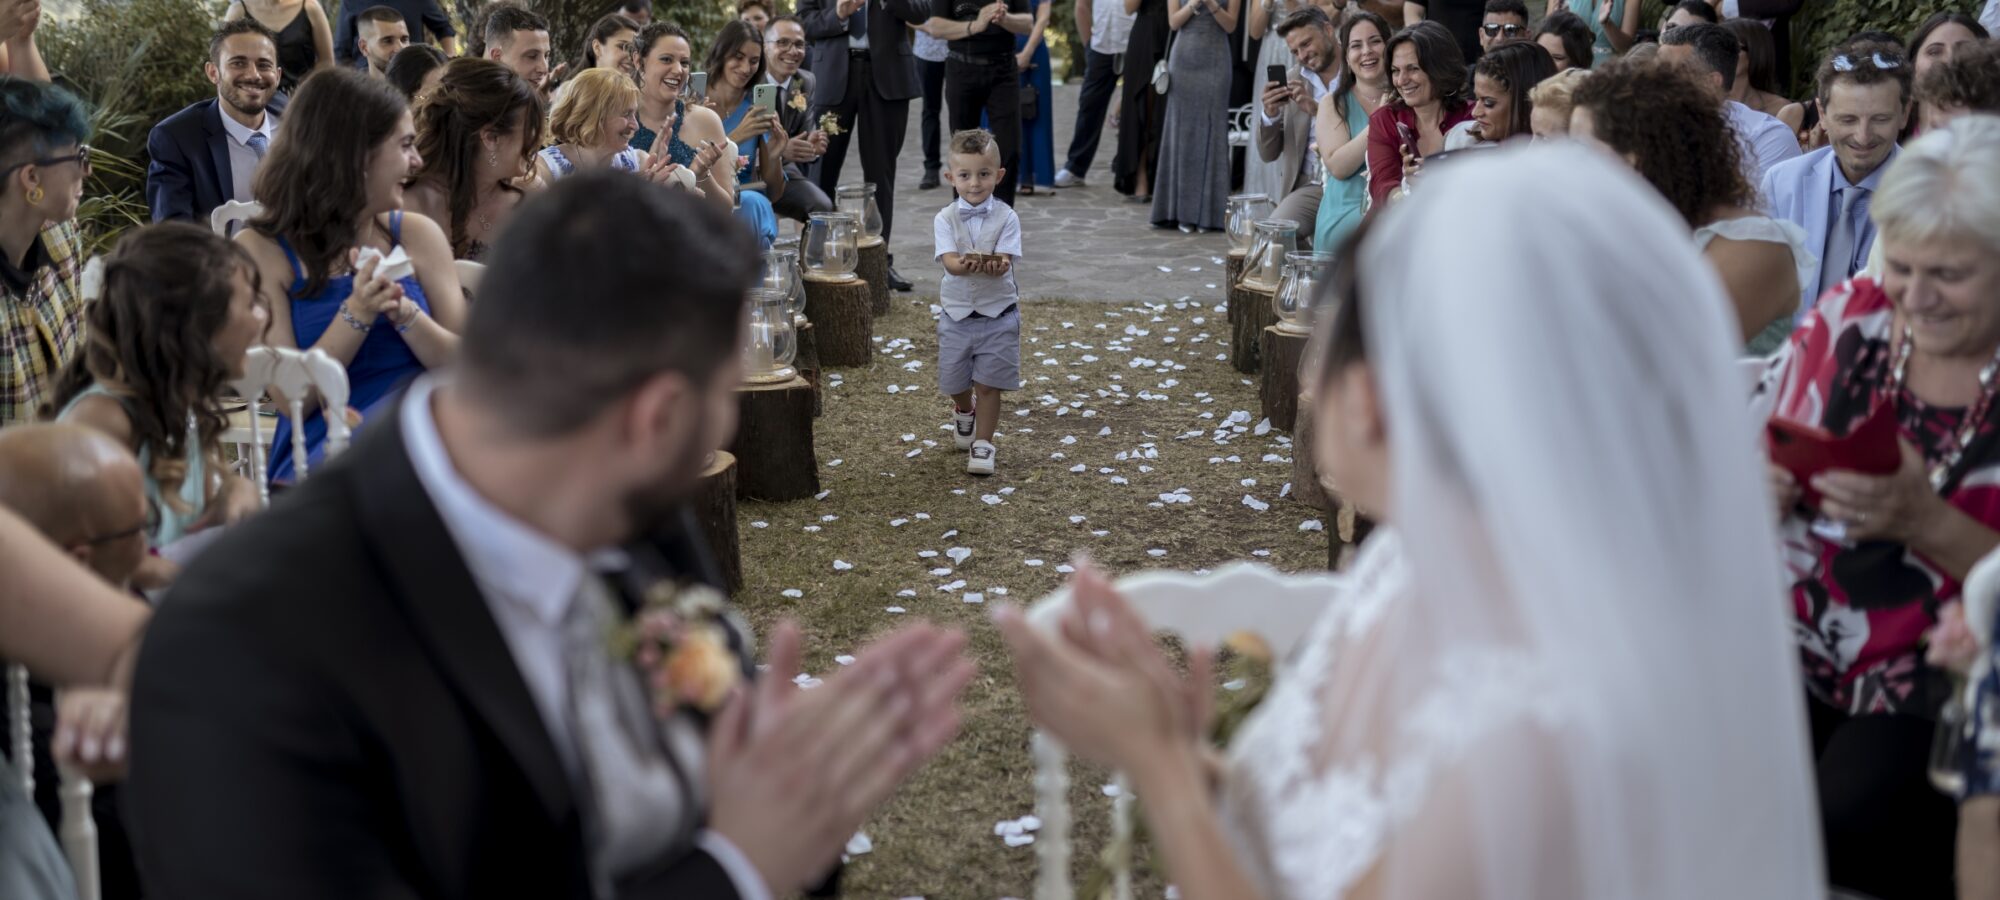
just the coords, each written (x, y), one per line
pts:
(176, 311)
(44, 163)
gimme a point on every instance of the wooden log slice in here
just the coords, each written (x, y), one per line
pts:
(1278, 380)
(873, 268)
(774, 442)
(1253, 314)
(807, 362)
(843, 321)
(715, 509)
(1305, 470)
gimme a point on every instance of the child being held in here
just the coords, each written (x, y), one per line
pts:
(978, 240)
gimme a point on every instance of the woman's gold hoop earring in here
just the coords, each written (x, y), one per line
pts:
(35, 195)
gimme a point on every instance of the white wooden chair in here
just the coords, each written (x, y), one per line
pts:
(469, 275)
(295, 374)
(231, 213)
(1200, 609)
(78, 834)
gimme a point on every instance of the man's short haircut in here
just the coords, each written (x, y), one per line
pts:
(1310, 16)
(1863, 63)
(1699, 9)
(505, 19)
(636, 5)
(1970, 81)
(975, 142)
(787, 17)
(743, 6)
(1508, 8)
(580, 307)
(245, 25)
(379, 14)
(1713, 45)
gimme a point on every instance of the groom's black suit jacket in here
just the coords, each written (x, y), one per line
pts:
(325, 708)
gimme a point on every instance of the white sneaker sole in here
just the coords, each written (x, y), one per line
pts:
(979, 467)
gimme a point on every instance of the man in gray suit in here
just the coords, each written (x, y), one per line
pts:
(1285, 117)
(784, 50)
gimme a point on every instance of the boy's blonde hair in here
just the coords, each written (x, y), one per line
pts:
(975, 142)
(592, 95)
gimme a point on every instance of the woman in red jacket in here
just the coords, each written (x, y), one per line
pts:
(1430, 95)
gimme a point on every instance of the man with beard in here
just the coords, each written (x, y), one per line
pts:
(1285, 119)
(383, 35)
(1864, 100)
(402, 680)
(784, 51)
(207, 154)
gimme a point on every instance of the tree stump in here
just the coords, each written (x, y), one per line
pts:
(1232, 272)
(843, 321)
(874, 269)
(1253, 313)
(1278, 384)
(807, 360)
(774, 442)
(1305, 471)
(715, 509)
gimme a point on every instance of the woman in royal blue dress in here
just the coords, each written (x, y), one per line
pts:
(332, 186)
(735, 67)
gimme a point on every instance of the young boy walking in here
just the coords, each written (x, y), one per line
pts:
(978, 240)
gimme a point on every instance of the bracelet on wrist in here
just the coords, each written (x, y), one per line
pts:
(351, 321)
(405, 322)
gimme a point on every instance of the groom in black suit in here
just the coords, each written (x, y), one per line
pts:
(398, 683)
(861, 60)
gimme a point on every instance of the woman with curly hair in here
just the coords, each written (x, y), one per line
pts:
(478, 133)
(1672, 131)
(1429, 96)
(177, 310)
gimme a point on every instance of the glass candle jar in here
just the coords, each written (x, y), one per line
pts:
(781, 273)
(773, 341)
(1306, 275)
(831, 250)
(1241, 216)
(1272, 241)
(859, 199)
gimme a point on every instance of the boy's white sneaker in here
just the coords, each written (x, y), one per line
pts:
(981, 460)
(961, 429)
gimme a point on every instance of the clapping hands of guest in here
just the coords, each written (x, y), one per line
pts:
(848, 8)
(660, 168)
(90, 733)
(806, 147)
(705, 159)
(794, 773)
(18, 19)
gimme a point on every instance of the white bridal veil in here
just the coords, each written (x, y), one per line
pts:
(1588, 537)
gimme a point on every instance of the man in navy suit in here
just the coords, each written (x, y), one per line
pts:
(207, 154)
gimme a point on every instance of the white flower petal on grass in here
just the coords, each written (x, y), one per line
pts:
(760, 524)
(952, 586)
(992, 499)
(1078, 467)
(893, 610)
(793, 593)
(895, 389)
(859, 844)
(812, 528)
(927, 554)
(1260, 553)
(941, 571)
(829, 518)
(1255, 503)
(1312, 525)
(841, 565)
(1076, 520)
(1286, 490)
(906, 592)
(1263, 428)
(1032, 563)
(822, 495)
(974, 597)
(1104, 432)
(1156, 553)
(959, 554)
(898, 523)
(1066, 568)
(909, 437)
(805, 682)
(913, 454)
(844, 659)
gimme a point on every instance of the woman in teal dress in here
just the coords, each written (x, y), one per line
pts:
(1038, 134)
(1614, 27)
(1342, 127)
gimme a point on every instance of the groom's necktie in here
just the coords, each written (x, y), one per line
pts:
(637, 804)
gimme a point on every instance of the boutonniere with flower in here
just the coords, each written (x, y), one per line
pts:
(829, 122)
(798, 102)
(680, 643)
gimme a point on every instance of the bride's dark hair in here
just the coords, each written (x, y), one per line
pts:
(1346, 341)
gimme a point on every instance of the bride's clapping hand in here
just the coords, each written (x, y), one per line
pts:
(1102, 686)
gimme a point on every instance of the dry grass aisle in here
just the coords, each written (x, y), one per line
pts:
(1139, 447)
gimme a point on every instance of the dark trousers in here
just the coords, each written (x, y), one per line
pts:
(881, 126)
(1888, 832)
(1100, 80)
(995, 91)
(928, 124)
(802, 197)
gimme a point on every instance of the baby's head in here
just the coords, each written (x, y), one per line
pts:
(974, 165)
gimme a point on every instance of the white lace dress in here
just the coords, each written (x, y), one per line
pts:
(1332, 776)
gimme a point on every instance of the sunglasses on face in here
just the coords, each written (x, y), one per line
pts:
(1495, 29)
(81, 157)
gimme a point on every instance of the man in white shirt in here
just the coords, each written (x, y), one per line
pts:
(207, 154)
(442, 707)
(1105, 27)
(1285, 117)
(1709, 51)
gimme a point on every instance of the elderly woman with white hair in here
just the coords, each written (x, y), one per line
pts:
(1876, 558)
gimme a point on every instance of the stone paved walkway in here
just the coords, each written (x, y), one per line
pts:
(1084, 242)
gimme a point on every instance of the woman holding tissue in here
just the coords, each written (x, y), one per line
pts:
(1875, 559)
(344, 269)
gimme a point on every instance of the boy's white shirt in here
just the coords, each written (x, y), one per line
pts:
(998, 231)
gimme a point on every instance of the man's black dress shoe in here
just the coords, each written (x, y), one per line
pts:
(896, 281)
(930, 180)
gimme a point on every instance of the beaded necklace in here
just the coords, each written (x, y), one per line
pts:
(1968, 427)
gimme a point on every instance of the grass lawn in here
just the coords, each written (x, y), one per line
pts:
(1127, 452)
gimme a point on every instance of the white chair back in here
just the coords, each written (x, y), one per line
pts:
(231, 213)
(1200, 609)
(295, 374)
(78, 834)
(469, 275)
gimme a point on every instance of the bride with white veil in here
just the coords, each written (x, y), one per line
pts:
(1563, 669)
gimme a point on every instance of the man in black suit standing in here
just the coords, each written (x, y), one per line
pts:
(207, 154)
(861, 58)
(400, 681)
(784, 52)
